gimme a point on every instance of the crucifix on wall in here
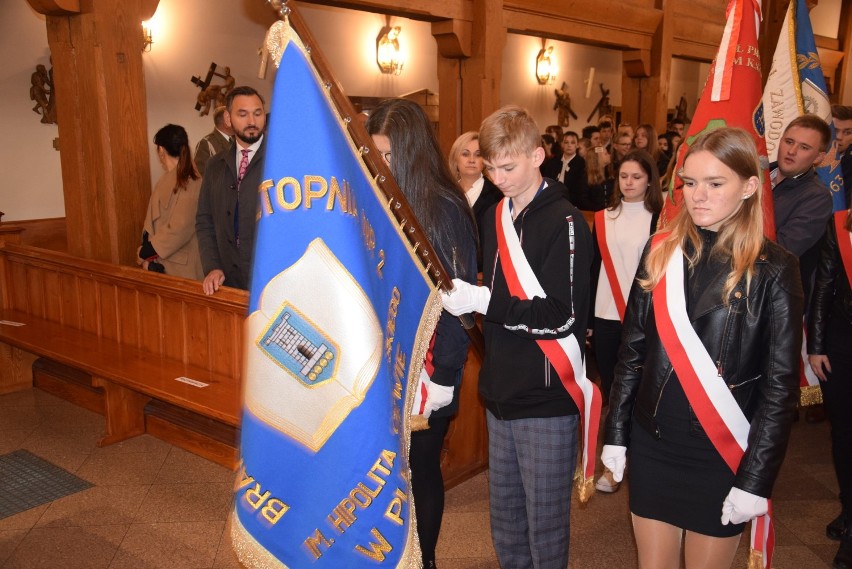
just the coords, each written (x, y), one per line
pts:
(212, 95)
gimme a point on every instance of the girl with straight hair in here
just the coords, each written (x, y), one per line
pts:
(707, 377)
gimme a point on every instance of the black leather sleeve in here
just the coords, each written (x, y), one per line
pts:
(829, 266)
(779, 384)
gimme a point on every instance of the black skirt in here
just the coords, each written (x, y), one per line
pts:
(680, 478)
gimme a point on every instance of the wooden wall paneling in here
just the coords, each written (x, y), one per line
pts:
(90, 314)
(52, 296)
(591, 23)
(128, 315)
(483, 71)
(47, 233)
(110, 326)
(103, 129)
(654, 104)
(150, 312)
(196, 335)
(222, 334)
(465, 451)
(35, 290)
(415, 9)
(55, 7)
(75, 176)
(453, 38)
(18, 287)
(70, 301)
(5, 293)
(697, 29)
(174, 331)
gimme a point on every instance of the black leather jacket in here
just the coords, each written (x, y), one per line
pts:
(755, 342)
(832, 297)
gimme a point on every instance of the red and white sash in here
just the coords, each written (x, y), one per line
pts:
(709, 396)
(844, 242)
(419, 421)
(564, 354)
(609, 266)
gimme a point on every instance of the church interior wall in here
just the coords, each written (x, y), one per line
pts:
(190, 34)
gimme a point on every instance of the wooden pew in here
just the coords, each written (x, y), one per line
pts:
(116, 338)
(134, 333)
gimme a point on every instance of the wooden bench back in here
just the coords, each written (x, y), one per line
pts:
(153, 312)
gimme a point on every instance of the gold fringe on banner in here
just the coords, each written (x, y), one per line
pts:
(755, 559)
(811, 395)
(419, 423)
(585, 488)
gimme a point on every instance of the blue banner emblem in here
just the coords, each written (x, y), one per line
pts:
(340, 317)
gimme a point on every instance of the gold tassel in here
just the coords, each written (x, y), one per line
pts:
(755, 559)
(585, 489)
(419, 423)
(811, 395)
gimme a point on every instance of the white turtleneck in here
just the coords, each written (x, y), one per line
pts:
(627, 231)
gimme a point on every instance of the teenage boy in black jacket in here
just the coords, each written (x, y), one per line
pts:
(532, 420)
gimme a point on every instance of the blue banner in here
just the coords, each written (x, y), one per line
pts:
(812, 81)
(340, 317)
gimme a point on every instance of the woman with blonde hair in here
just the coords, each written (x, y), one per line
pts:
(707, 377)
(465, 163)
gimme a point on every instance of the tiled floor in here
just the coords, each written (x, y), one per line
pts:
(156, 506)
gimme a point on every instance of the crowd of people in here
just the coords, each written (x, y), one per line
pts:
(696, 328)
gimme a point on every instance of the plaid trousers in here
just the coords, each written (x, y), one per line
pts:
(531, 468)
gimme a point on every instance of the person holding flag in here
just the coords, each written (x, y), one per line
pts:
(795, 87)
(706, 381)
(537, 259)
(402, 134)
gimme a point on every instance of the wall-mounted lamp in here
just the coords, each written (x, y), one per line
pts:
(147, 36)
(545, 66)
(387, 50)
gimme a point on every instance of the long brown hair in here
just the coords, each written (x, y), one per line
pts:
(173, 139)
(653, 195)
(740, 237)
(651, 134)
(421, 170)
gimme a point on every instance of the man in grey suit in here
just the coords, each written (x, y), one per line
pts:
(218, 140)
(227, 208)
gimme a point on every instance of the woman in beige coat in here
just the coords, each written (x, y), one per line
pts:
(169, 244)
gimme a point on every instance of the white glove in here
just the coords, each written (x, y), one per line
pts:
(741, 506)
(466, 298)
(439, 396)
(614, 457)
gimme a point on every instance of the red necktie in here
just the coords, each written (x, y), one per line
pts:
(244, 161)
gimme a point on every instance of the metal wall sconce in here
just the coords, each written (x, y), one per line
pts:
(545, 66)
(147, 36)
(388, 57)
